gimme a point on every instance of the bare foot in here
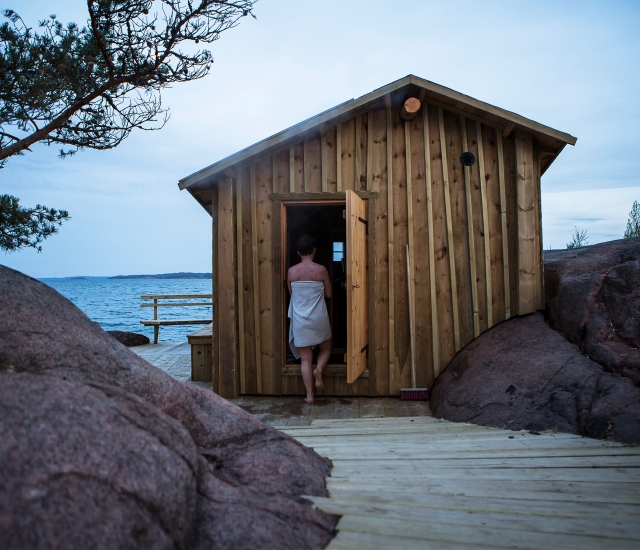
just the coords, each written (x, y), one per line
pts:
(318, 376)
(309, 400)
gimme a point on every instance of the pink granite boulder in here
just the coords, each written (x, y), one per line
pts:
(91, 466)
(241, 462)
(593, 298)
(129, 339)
(521, 374)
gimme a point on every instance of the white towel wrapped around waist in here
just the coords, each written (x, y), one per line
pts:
(309, 324)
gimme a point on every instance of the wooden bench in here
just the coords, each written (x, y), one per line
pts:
(201, 342)
(157, 323)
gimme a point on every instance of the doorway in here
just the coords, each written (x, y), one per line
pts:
(327, 225)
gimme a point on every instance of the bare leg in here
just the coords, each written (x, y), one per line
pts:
(306, 355)
(323, 359)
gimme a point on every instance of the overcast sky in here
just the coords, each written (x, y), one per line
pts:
(573, 66)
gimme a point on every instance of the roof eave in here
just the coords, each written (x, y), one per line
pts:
(291, 132)
(462, 100)
(509, 116)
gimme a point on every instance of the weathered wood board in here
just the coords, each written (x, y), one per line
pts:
(428, 483)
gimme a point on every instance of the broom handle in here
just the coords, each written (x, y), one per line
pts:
(413, 348)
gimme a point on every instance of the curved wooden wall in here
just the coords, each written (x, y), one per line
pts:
(474, 234)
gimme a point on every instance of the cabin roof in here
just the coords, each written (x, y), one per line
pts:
(552, 141)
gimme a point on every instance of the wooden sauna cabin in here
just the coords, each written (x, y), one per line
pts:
(410, 164)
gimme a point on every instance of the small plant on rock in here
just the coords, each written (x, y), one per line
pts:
(578, 240)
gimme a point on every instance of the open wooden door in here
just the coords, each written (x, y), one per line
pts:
(357, 292)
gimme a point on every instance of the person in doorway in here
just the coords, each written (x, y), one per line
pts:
(309, 285)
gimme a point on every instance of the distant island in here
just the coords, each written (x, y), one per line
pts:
(166, 276)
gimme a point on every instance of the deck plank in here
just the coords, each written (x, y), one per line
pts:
(403, 479)
(427, 483)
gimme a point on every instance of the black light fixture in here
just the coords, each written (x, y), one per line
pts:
(467, 159)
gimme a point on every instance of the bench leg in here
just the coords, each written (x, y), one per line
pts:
(156, 330)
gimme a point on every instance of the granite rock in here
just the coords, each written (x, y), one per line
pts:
(91, 466)
(241, 462)
(523, 375)
(129, 339)
(592, 297)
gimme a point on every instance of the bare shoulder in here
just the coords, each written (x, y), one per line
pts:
(293, 271)
(320, 272)
(307, 271)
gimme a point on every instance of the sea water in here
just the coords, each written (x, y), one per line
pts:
(115, 303)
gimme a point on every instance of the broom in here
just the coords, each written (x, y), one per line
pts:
(413, 393)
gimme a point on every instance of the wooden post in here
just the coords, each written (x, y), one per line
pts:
(470, 229)
(435, 329)
(357, 165)
(391, 298)
(227, 290)
(528, 268)
(215, 337)
(369, 149)
(306, 170)
(292, 173)
(256, 282)
(323, 154)
(371, 257)
(485, 226)
(449, 216)
(278, 278)
(505, 234)
(537, 188)
(410, 251)
(156, 328)
(242, 365)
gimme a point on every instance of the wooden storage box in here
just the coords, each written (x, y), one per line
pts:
(201, 342)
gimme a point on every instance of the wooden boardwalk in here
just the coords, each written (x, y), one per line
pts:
(425, 483)
(174, 358)
(403, 479)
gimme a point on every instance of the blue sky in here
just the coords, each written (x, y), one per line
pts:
(570, 65)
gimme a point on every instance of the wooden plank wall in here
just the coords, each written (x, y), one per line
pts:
(226, 291)
(474, 236)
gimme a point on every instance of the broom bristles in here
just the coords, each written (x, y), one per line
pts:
(414, 394)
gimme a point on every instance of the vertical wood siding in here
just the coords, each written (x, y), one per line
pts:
(226, 305)
(474, 236)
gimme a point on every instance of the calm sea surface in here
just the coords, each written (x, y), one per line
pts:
(115, 303)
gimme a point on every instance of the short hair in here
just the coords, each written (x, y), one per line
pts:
(306, 245)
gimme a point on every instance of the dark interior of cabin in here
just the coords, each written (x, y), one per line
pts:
(325, 223)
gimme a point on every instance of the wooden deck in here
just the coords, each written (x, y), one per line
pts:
(403, 479)
(175, 359)
(425, 483)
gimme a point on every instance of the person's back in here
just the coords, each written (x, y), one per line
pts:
(308, 271)
(309, 284)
